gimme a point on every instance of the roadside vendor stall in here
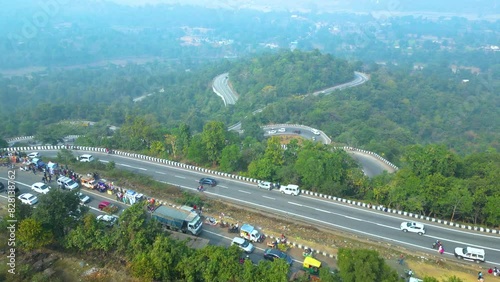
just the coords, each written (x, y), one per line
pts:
(52, 167)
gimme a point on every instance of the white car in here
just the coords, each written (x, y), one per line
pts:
(282, 130)
(245, 245)
(86, 158)
(34, 155)
(271, 132)
(28, 199)
(40, 187)
(110, 220)
(414, 227)
(315, 132)
(83, 198)
(265, 185)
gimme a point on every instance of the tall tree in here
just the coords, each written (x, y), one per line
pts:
(364, 265)
(214, 140)
(32, 235)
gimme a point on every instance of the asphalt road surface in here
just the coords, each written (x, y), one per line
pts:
(214, 234)
(221, 87)
(320, 212)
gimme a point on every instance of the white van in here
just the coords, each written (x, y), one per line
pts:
(290, 189)
(470, 253)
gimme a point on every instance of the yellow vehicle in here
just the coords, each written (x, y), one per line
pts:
(88, 182)
(311, 265)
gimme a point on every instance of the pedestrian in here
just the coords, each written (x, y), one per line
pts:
(401, 259)
(44, 179)
(34, 170)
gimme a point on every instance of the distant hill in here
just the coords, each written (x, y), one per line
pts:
(476, 7)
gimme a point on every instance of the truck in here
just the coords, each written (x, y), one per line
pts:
(248, 232)
(178, 219)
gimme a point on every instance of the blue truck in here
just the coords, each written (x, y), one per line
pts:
(178, 219)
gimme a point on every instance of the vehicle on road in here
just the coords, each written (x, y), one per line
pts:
(243, 244)
(178, 219)
(311, 265)
(6, 189)
(83, 198)
(272, 254)
(271, 131)
(67, 183)
(85, 158)
(470, 253)
(290, 189)
(33, 155)
(248, 232)
(207, 181)
(265, 185)
(297, 132)
(282, 130)
(88, 181)
(413, 227)
(315, 131)
(28, 199)
(40, 187)
(109, 220)
(107, 207)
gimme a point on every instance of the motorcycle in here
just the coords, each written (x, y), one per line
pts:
(200, 188)
(233, 229)
(436, 245)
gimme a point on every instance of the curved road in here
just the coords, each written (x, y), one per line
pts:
(369, 223)
(371, 165)
(221, 87)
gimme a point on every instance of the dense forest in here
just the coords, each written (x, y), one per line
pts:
(397, 108)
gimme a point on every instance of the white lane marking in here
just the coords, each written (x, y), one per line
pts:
(300, 205)
(103, 161)
(246, 192)
(178, 176)
(225, 187)
(160, 172)
(126, 165)
(269, 197)
(353, 218)
(322, 210)
(378, 213)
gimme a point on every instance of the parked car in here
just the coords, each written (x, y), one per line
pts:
(28, 199)
(86, 158)
(470, 253)
(6, 189)
(413, 227)
(40, 187)
(107, 207)
(83, 198)
(315, 131)
(243, 244)
(110, 220)
(104, 204)
(271, 131)
(34, 155)
(67, 182)
(208, 181)
(282, 130)
(265, 185)
(272, 254)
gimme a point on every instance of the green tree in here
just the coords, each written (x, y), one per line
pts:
(183, 134)
(214, 140)
(274, 152)
(364, 265)
(230, 158)
(32, 235)
(54, 211)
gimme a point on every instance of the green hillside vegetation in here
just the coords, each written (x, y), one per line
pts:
(271, 77)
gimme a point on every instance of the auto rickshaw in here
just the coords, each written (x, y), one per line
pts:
(311, 265)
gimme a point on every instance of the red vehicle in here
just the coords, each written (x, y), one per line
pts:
(103, 205)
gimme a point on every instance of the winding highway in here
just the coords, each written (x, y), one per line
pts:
(371, 165)
(374, 224)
